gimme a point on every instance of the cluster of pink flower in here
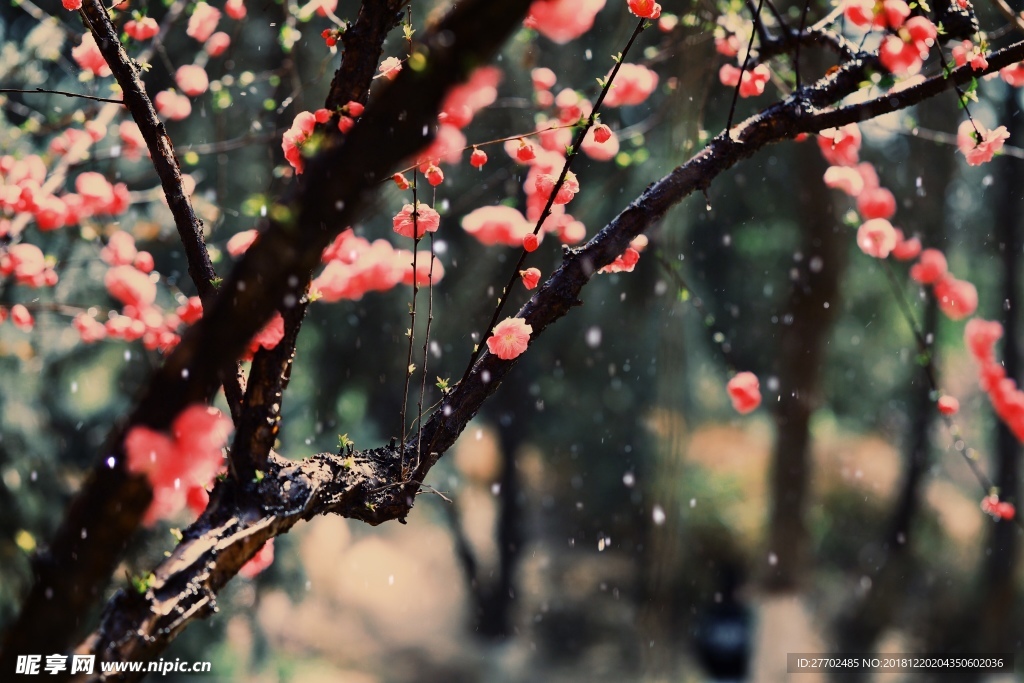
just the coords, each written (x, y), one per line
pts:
(182, 465)
(129, 281)
(876, 236)
(179, 466)
(980, 337)
(903, 50)
(20, 317)
(355, 266)
(22, 191)
(730, 35)
(305, 123)
(27, 265)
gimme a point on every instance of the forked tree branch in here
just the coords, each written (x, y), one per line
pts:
(368, 485)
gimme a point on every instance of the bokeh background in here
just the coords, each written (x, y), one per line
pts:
(610, 516)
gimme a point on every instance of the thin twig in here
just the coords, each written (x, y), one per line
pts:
(743, 67)
(64, 93)
(641, 25)
(799, 42)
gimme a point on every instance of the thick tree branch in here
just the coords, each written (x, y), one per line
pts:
(259, 423)
(189, 227)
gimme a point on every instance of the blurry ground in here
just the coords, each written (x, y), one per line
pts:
(390, 604)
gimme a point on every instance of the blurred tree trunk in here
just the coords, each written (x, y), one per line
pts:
(663, 546)
(806, 324)
(495, 600)
(865, 621)
(999, 590)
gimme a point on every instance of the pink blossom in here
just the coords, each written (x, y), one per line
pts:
(876, 237)
(240, 242)
(131, 138)
(192, 79)
(446, 148)
(991, 505)
(966, 52)
(930, 267)
(845, 178)
(906, 249)
(510, 338)
(859, 12)
(645, 9)
(295, 137)
(191, 311)
(980, 337)
(1013, 74)
(900, 57)
(96, 191)
(948, 405)
(478, 158)
(120, 249)
(268, 337)
(434, 175)
(144, 262)
(957, 298)
(87, 55)
(633, 84)
(429, 269)
(894, 13)
(600, 143)
(142, 29)
(426, 220)
(72, 5)
(876, 202)
(130, 286)
(497, 225)
(89, 329)
(172, 105)
(977, 143)
(260, 561)
(190, 456)
(545, 185)
(463, 101)
(355, 267)
(563, 20)
(524, 152)
(530, 242)
(752, 82)
(745, 392)
(543, 78)
(390, 68)
(217, 44)
(235, 9)
(21, 318)
(840, 146)
(203, 21)
(623, 263)
(24, 261)
(530, 277)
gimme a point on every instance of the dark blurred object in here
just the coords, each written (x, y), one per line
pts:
(959, 23)
(723, 634)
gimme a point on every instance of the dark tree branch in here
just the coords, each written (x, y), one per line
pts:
(165, 162)
(271, 368)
